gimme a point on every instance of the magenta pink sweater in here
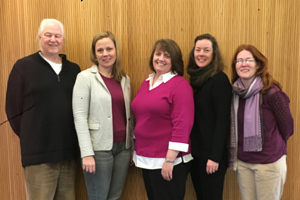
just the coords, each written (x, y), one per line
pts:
(163, 114)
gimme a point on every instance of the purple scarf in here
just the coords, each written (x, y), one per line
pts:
(253, 133)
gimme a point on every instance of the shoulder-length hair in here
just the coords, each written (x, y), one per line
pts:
(173, 49)
(262, 63)
(117, 71)
(217, 61)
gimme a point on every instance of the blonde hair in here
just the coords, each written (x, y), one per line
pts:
(117, 70)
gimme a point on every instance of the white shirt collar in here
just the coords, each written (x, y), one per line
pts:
(161, 79)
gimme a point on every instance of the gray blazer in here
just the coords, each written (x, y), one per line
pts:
(92, 112)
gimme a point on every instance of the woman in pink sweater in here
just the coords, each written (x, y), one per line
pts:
(164, 111)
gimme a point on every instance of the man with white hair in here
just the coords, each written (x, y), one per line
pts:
(39, 109)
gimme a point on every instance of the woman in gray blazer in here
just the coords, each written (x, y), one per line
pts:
(101, 108)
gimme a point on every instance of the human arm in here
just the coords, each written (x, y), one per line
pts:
(279, 104)
(132, 119)
(182, 117)
(221, 100)
(81, 100)
(88, 164)
(15, 100)
(132, 122)
(129, 115)
(167, 168)
(211, 166)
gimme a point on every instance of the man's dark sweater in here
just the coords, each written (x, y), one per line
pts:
(39, 109)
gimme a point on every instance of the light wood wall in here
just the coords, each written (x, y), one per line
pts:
(270, 25)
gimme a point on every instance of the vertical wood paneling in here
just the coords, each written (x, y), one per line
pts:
(271, 25)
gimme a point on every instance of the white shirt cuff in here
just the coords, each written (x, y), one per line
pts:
(179, 146)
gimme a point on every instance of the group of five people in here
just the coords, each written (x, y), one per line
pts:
(200, 127)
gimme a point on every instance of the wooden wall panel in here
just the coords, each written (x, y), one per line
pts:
(271, 25)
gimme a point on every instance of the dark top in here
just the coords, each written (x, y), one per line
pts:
(278, 126)
(39, 109)
(212, 118)
(118, 108)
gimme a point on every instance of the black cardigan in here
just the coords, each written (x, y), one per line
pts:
(212, 119)
(39, 109)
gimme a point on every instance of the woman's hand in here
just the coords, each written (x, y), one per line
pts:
(131, 160)
(167, 167)
(167, 171)
(88, 164)
(211, 166)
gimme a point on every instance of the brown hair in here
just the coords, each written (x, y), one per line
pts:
(173, 49)
(217, 60)
(117, 70)
(262, 63)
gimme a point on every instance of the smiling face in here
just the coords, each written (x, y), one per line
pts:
(105, 52)
(203, 52)
(246, 67)
(51, 39)
(161, 62)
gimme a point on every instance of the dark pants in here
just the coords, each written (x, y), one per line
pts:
(159, 189)
(207, 186)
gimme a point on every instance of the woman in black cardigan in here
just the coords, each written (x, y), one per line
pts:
(212, 95)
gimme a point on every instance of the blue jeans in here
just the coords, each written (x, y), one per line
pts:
(111, 170)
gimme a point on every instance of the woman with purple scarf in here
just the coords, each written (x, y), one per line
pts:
(261, 123)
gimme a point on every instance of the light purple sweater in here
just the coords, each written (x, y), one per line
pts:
(164, 114)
